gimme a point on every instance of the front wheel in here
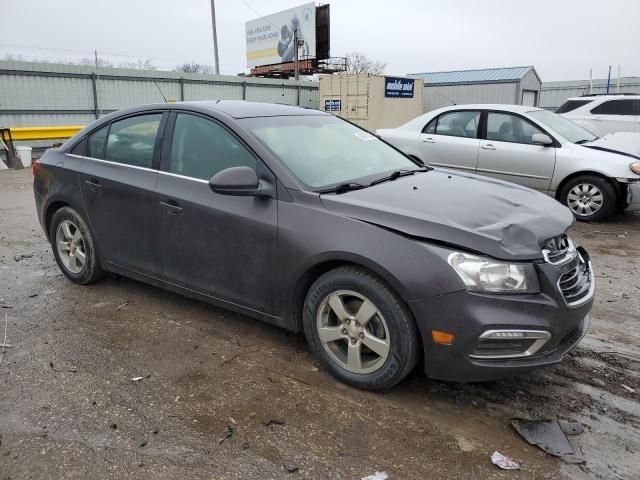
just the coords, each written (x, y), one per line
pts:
(591, 198)
(359, 329)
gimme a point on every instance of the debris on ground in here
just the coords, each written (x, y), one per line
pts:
(504, 462)
(22, 256)
(290, 467)
(549, 436)
(136, 379)
(273, 421)
(143, 444)
(377, 476)
(122, 305)
(628, 388)
(113, 426)
(228, 433)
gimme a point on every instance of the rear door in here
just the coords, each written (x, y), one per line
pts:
(508, 153)
(117, 181)
(451, 140)
(219, 245)
(614, 116)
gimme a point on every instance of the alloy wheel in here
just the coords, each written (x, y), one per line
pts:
(585, 199)
(71, 246)
(353, 331)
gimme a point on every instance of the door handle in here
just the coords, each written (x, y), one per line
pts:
(94, 185)
(172, 207)
(427, 140)
(488, 146)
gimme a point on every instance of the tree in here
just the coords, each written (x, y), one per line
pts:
(194, 67)
(91, 62)
(359, 63)
(138, 64)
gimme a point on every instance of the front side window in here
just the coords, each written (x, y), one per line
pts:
(504, 127)
(96, 143)
(131, 141)
(614, 107)
(201, 148)
(458, 124)
(323, 150)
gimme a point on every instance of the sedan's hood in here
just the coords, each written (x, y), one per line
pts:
(499, 219)
(626, 143)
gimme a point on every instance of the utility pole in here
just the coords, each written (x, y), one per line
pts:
(609, 80)
(215, 37)
(95, 89)
(296, 67)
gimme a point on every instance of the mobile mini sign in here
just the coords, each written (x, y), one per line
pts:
(395, 87)
(270, 39)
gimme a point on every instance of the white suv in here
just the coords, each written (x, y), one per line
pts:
(603, 114)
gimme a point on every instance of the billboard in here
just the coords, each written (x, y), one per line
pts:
(270, 39)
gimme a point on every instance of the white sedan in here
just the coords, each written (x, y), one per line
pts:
(528, 146)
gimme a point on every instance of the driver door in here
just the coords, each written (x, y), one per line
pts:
(219, 245)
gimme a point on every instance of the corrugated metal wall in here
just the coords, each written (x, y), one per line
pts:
(554, 94)
(37, 94)
(437, 96)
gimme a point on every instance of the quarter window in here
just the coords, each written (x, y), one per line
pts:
(96, 143)
(504, 127)
(455, 124)
(201, 148)
(614, 107)
(131, 141)
(571, 105)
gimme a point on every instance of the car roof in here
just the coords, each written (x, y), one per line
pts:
(244, 109)
(491, 106)
(619, 96)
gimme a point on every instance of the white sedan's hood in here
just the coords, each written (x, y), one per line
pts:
(621, 142)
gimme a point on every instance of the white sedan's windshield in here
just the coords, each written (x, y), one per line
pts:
(323, 150)
(569, 130)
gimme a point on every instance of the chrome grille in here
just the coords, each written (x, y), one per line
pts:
(559, 250)
(576, 285)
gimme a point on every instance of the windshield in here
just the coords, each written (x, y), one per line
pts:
(569, 130)
(323, 150)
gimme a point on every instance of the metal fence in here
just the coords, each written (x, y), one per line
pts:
(39, 94)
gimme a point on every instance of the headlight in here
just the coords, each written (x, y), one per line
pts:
(483, 274)
(635, 167)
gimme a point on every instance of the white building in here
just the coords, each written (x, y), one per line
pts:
(513, 86)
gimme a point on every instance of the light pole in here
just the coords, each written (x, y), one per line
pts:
(215, 38)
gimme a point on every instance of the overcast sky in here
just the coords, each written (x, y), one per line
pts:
(562, 38)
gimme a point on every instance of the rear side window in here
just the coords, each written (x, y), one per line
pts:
(571, 105)
(131, 141)
(201, 148)
(96, 143)
(614, 107)
(455, 124)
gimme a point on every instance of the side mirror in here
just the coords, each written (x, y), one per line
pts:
(241, 181)
(541, 139)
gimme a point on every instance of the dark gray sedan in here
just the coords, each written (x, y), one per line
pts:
(305, 221)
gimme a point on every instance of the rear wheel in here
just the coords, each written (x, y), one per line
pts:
(359, 329)
(589, 197)
(73, 247)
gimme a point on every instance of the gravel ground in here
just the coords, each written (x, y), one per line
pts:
(211, 379)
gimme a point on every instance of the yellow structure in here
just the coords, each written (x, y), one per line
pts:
(20, 134)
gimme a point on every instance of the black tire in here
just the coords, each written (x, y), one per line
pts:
(91, 271)
(403, 350)
(609, 196)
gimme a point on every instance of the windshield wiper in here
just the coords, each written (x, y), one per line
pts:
(344, 188)
(399, 173)
(585, 140)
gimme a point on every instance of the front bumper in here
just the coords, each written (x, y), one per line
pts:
(469, 316)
